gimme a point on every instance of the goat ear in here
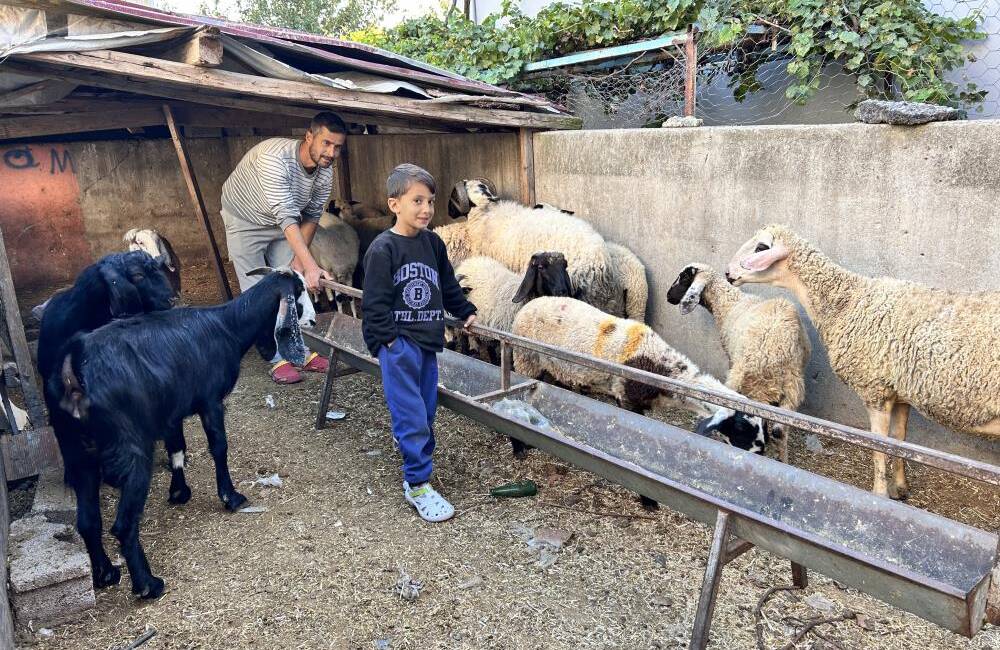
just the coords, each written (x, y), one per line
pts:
(74, 401)
(260, 270)
(123, 297)
(764, 259)
(287, 334)
(526, 291)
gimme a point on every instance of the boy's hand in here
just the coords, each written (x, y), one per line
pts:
(469, 321)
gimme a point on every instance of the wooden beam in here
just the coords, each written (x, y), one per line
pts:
(42, 125)
(170, 73)
(18, 341)
(526, 156)
(194, 115)
(203, 49)
(6, 621)
(690, 72)
(199, 203)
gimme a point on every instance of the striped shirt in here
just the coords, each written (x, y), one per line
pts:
(270, 188)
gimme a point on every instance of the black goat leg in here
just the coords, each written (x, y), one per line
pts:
(213, 419)
(177, 452)
(87, 485)
(131, 504)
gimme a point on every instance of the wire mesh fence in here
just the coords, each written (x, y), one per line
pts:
(750, 80)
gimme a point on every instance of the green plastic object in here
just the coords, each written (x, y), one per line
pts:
(515, 490)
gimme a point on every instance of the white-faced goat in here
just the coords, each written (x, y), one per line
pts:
(133, 381)
(151, 241)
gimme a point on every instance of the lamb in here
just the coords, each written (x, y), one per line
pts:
(577, 326)
(151, 241)
(368, 223)
(765, 341)
(896, 344)
(133, 381)
(510, 233)
(335, 249)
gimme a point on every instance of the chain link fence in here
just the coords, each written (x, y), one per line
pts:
(747, 81)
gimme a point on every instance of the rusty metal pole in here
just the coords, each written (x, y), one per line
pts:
(690, 72)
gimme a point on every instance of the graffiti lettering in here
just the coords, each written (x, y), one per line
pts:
(19, 158)
(62, 163)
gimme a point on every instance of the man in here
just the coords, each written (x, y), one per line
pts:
(271, 205)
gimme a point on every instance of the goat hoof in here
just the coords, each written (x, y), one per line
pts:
(234, 501)
(152, 590)
(109, 576)
(179, 496)
(648, 504)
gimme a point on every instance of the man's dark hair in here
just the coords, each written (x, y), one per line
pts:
(329, 120)
(405, 175)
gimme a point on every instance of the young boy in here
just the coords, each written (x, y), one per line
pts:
(409, 283)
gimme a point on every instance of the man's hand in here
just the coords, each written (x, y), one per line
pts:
(469, 321)
(313, 275)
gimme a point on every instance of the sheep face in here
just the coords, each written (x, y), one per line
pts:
(150, 241)
(762, 259)
(736, 429)
(547, 275)
(688, 286)
(469, 193)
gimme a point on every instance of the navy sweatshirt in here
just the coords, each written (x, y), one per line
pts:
(409, 283)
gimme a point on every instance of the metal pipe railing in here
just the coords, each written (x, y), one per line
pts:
(941, 460)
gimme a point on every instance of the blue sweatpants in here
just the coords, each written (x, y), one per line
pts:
(409, 379)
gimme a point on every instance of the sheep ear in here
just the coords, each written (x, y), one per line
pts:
(260, 270)
(692, 297)
(123, 297)
(538, 206)
(526, 291)
(333, 208)
(287, 334)
(164, 255)
(765, 259)
(130, 236)
(681, 284)
(567, 211)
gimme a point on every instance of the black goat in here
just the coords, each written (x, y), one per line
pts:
(135, 380)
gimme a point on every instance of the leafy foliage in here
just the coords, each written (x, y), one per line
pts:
(328, 17)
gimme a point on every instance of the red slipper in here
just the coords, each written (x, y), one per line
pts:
(285, 373)
(316, 363)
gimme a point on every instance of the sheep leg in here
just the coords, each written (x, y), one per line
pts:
(131, 504)
(900, 415)
(214, 422)
(879, 418)
(177, 450)
(87, 485)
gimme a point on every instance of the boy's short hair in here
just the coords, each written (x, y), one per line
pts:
(329, 120)
(404, 176)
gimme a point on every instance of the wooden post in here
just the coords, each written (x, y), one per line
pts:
(344, 175)
(18, 341)
(324, 400)
(526, 155)
(199, 204)
(710, 586)
(6, 622)
(506, 361)
(690, 71)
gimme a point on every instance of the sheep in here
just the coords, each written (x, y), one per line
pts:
(510, 232)
(574, 325)
(456, 240)
(368, 223)
(149, 240)
(335, 248)
(896, 344)
(765, 341)
(631, 271)
(133, 381)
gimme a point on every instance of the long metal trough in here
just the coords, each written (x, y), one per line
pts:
(923, 563)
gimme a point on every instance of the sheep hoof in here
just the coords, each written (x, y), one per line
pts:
(181, 495)
(108, 577)
(234, 501)
(648, 504)
(150, 591)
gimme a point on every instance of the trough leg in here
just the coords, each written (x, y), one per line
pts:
(710, 586)
(800, 577)
(897, 429)
(213, 419)
(324, 400)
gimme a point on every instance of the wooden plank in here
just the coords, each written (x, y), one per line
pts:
(199, 203)
(210, 116)
(203, 49)
(158, 71)
(690, 71)
(710, 585)
(526, 154)
(29, 452)
(42, 125)
(344, 174)
(6, 621)
(19, 343)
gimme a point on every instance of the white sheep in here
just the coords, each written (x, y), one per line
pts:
(767, 346)
(577, 326)
(896, 344)
(510, 233)
(498, 293)
(456, 240)
(632, 277)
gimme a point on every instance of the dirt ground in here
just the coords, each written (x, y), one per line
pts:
(319, 568)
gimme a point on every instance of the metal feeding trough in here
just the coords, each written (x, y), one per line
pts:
(923, 563)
